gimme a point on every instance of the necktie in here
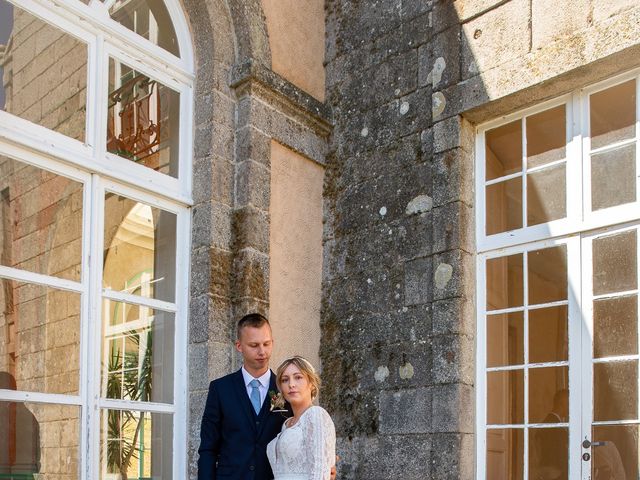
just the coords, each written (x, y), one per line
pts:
(255, 395)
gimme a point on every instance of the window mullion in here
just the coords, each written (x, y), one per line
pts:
(180, 386)
(93, 340)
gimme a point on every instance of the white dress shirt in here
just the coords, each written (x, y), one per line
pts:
(264, 383)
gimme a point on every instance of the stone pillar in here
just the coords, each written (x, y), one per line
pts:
(398, 314)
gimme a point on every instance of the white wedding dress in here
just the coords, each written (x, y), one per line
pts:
(305, 451)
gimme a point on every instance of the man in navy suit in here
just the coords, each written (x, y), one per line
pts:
(237, 423)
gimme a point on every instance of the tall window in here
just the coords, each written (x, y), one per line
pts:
(95, 119)
(558, 340)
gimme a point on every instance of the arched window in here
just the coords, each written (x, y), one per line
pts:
(95, 190)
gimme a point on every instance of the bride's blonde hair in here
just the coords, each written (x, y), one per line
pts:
(307, 370)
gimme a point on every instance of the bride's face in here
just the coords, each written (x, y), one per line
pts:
(295, 386)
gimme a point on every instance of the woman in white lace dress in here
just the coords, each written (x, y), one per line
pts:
(305, 448)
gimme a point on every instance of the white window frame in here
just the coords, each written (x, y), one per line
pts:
(104, 38)
(575, 230)
(98, 171)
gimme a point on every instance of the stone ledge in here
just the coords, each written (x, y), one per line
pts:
(252, 78)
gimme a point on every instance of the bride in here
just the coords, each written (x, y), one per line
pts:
(305, 448)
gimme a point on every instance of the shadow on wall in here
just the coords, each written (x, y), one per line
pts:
(19, 437)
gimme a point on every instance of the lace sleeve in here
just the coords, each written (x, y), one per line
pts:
(321, 440)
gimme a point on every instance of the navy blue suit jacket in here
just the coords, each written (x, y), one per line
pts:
(233, 439)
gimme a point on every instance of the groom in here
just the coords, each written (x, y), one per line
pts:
(237, 423)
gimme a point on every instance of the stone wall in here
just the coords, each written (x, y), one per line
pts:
(407, 82)
(396, 343)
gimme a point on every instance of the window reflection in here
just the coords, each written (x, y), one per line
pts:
(613, 114)
(40, 337)
(505, 454)
(613, 178)
(44, 72)
(149, 19)
(618, 456)
(40, 220)
(136, 445)
(549, 453)
(504, 150)
(505, 282)
(139, 255)
(142, 124)
(38, 440)
(137, 353)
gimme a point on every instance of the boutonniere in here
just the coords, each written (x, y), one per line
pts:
(277, 402)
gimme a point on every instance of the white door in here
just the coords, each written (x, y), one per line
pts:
(610, 417)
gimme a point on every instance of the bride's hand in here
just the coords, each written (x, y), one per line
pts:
(333, 469)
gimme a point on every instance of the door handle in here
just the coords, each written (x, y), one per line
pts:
(588, 444)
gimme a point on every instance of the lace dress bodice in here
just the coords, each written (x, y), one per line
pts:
(306, 450)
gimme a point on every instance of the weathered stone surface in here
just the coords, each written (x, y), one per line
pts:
(405, 411)
(453, 359)
(418, 281)
(605, 10)
(214, 225)
(198, 370)
(453, 457)
(251, 275)
(250, 229)
(452, 133)
(453, 177)
(495, 37)
(252, 185)
(453, 274)
(453, 227)
(549, 23)
(386, 457)
(453, 316)
(453, 408)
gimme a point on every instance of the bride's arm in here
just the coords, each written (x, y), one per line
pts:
(321, 441)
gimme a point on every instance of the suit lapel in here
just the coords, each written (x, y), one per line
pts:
(245, 403)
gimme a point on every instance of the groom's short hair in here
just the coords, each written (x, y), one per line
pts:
(254, 320)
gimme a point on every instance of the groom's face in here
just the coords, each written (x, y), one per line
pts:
(255, 345)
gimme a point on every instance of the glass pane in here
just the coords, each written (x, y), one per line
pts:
(143, 116)
(39, 338)
(549, 395)
(613, 179)
(546, 195)
(138, 353)
(39, 441)
(613, 114)
(618, 457)
(546, 136)
(136, 445)
(548, 275)
(504, 150)
(139, 248)
(615, 391)
(505, 339)
(504, 282)
(548, 453)
(43, 72)
(505, 454)
(548, 340)
(615, 263)
(504, 206)
(40, 220)
(505, 397)
(615, 326)
(149, 19)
